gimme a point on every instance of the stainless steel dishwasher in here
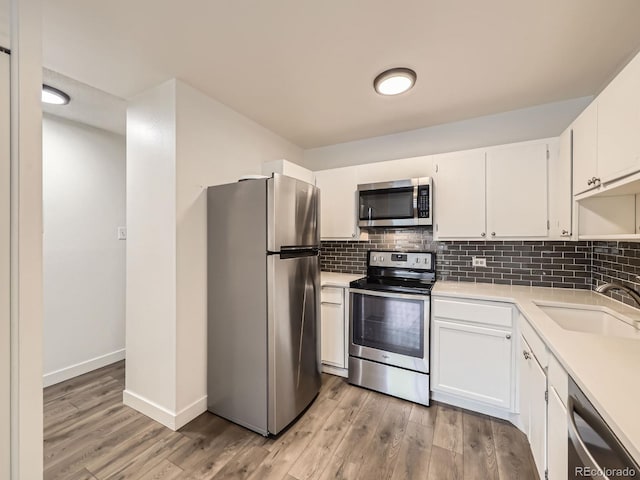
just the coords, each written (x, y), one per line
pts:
(594, 450)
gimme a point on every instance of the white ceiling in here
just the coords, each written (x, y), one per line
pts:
(304, 68)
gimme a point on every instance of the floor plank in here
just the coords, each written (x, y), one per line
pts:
(512, 451)
(415, 453)
(165, 470)
(479, 457)
(425, 416)
(348, 458)
(445, 464)
(288, 447)
(348, 433)
(448, 428)
(313, 460)
(383, 448)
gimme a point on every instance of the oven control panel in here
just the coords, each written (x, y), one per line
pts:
(414, 260)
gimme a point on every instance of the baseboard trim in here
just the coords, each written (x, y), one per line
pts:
(341, 372)
(477, 407)
(169, 419)
(187, 414)
(82, 367)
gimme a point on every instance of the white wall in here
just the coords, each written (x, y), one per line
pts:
(151, 253)
(84, 262)
(541, 121)
(215, 145)
(179, 141)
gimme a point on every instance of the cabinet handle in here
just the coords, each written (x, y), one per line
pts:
(353, 235)
(596, 180)
(493, 234)
(508, 336)
(565, 233)
(526, 354)
(483, 234)
(590, 181)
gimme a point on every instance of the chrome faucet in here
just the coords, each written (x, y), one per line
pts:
(605, 287)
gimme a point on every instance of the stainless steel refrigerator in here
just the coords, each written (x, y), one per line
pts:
(263, 301)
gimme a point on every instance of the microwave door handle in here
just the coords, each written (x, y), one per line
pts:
(578, 443)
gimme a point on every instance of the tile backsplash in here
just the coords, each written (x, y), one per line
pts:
(583, 264)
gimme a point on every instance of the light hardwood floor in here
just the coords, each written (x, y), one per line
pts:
(348, 433)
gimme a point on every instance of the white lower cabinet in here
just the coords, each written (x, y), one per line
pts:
(473, 362)
(472, 353)
(543, 396)
(533, 404)
(557, 447)
(334, 329)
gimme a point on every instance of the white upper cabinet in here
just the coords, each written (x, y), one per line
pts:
(517, 190)
(585, 149)
(338, 187)
(391, 170)
(493, 193)
(459, 187)
(619, 124)
(560, 197)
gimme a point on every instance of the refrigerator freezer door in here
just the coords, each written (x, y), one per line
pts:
(294, 368)
(292, 213)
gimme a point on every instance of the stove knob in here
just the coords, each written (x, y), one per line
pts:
(382, 259)
(374, 258)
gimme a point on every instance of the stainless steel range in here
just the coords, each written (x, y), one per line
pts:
(389, 324)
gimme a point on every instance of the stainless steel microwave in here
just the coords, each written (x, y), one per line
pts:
(402, 203)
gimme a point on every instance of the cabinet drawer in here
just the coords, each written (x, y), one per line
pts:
(476, 312)
(332, 295)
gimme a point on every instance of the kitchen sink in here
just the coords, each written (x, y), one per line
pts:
(596, 320)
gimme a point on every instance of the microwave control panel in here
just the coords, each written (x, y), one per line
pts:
(423, 201)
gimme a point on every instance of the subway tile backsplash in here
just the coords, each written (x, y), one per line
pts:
(562, 264)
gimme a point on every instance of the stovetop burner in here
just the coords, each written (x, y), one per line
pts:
(393, 285)
(401, 272)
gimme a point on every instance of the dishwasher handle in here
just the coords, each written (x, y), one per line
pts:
(581, 449)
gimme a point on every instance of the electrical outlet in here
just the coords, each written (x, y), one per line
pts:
(122, 233)
(478, 262)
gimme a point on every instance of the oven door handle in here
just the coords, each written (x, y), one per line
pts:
(581, 449)
(375, 293)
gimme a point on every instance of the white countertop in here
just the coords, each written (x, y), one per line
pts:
(332, 279)
(607, 369)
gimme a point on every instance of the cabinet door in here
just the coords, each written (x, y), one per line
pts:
(459, 189)
(332, 328)
(560, 197)
(533, 404)
(473, 362)
(585, 148)
(517, 191)
(557, 437)
(399, 169)
(337, 203)
(619, 124)
(538, 419)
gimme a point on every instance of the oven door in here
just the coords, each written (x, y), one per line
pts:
(390, 328)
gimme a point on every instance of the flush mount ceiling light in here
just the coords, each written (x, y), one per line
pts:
(394, 81)
(54, 96)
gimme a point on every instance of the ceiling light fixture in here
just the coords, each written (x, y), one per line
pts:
(54, 96)
(394, 81)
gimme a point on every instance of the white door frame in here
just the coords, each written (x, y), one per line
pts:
(5, 268)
